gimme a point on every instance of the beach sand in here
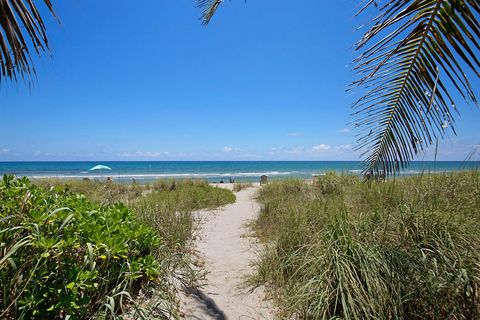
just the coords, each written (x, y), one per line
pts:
(228, 253)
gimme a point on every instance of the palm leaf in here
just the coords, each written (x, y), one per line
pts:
(413, 64)
(209, 7)
(21, 28)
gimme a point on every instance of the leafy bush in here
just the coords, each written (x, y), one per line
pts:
(166, 207)
(404, 249)
(64, 256)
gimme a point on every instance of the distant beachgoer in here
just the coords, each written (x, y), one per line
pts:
(109, 179)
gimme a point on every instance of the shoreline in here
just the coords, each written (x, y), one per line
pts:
(140, 181)
(219, 182)
(241, 171)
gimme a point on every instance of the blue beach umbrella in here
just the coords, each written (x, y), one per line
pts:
(100, 167)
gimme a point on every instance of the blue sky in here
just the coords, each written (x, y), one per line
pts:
(264, 81)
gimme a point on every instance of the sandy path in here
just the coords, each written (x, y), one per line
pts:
(228, 254)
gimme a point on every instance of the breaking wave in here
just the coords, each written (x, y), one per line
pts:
(161, 175)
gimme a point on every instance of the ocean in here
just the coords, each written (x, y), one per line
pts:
(213, 171)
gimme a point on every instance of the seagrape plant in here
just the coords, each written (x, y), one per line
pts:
(65, 257)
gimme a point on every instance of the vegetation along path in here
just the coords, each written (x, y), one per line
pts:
(228, 253)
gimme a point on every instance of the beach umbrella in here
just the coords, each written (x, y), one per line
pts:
(99, 167)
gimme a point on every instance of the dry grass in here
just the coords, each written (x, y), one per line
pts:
(239, 186)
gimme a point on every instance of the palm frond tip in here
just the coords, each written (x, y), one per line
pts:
(413, 63)
(21, 27)
(209, 7)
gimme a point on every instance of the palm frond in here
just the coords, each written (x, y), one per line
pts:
(412, 66)
(21, 27)
(209, 7)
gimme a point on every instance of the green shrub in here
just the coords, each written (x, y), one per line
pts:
(401, 249)
(166, 207)
(62, 255)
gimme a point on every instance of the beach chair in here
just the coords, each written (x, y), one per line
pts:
(263, 180)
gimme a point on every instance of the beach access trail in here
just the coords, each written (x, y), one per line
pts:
(228, 253)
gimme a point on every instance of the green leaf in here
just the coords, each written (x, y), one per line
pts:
(413, 64)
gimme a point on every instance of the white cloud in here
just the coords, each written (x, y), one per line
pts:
(295, 134)
(228, 149)
(62, 155)
(287, 151)
(322, 151)
(249, 156)
(4, 151)
(321, 147)
(344, 130)
(344, 147)
(294, 150)
(144, 154)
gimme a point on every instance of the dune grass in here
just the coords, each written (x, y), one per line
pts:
(239, 186)
(345, 249)
(71, 248)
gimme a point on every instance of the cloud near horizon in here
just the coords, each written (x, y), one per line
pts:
(145, 154)
(295, 134)
(327, 148)
(322, 151)
(321, 147)
(228, 149)
(344, 147)
(453, 150)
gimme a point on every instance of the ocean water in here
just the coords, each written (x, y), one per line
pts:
(213, 171)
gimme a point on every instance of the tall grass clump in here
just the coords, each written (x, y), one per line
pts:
(189, 195)
(169, 206)
(401, 249)
(102, 192)
(63, 256)
(239, 186)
